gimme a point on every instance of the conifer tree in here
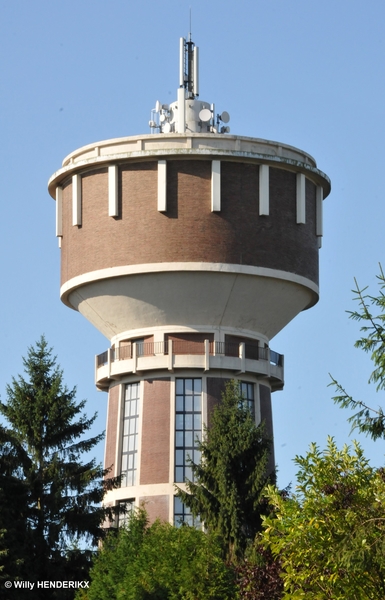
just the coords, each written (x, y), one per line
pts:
(56, 496)
(227, 489)
(371, 314)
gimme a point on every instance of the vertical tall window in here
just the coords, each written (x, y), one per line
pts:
(247, 391)
(129, 506)
(130, 435)
(182, 514)
(188, 426)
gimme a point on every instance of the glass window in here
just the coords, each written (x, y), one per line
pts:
(139, 346)
(247, 391)
(130, 435)
(129, 506)
(188, 425)
(182, 514)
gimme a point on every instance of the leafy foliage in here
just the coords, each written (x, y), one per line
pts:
(330, 536)
(160, 561)
(259, 575)
(55, 496)
(371, 314)
(228, 482)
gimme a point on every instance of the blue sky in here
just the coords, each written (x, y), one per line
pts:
(309, 74)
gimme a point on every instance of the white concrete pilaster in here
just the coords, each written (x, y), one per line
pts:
(162, 185)
(59, 211)
(264, 196)
(301, 198)
(215, 186)
(113, 210)
(76, 200)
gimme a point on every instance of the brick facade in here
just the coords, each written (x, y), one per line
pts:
(188, 231)
(189, 343)
(155, 456)
(157, 507)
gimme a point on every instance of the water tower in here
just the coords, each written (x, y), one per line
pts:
(189, 248)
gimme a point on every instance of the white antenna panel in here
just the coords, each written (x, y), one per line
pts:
(205, 115)
(188, 114)
(182, 42)
(181, 127)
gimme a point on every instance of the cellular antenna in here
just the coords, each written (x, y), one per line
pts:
(188, 113)
(188, 66)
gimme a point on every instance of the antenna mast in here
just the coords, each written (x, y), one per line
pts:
(188, 114)
(189, 67)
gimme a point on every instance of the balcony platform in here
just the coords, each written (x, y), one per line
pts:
(114, 364)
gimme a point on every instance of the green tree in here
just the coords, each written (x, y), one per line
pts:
(13, 520)
(259, 574)
(227, 489)
(3, 554)
(160, 561)
(371, 315)
(56, 496)
(330, 535)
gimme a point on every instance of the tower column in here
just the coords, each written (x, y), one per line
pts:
(189, 249)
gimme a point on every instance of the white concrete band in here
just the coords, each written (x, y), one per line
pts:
(161, 267)
(223, 147)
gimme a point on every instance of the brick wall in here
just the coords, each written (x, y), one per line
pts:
(189, 231)
(189, 343)
(157, 507)
(155, 456)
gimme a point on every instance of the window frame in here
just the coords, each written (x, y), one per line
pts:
(129, 446)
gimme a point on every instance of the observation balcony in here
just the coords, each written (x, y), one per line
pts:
(138, 357)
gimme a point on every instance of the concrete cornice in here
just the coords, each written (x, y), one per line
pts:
(201, 146)
(162, 267)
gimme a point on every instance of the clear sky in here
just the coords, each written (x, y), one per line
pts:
(309, 74)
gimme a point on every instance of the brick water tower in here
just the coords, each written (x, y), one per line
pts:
(189, 249)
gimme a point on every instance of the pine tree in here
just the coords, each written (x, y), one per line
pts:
(371, 315)
(57, 496)
(227, 489)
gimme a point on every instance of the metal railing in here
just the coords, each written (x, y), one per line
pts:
(142, 349)
(276, 359)
(252, 351)
(102, 359)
